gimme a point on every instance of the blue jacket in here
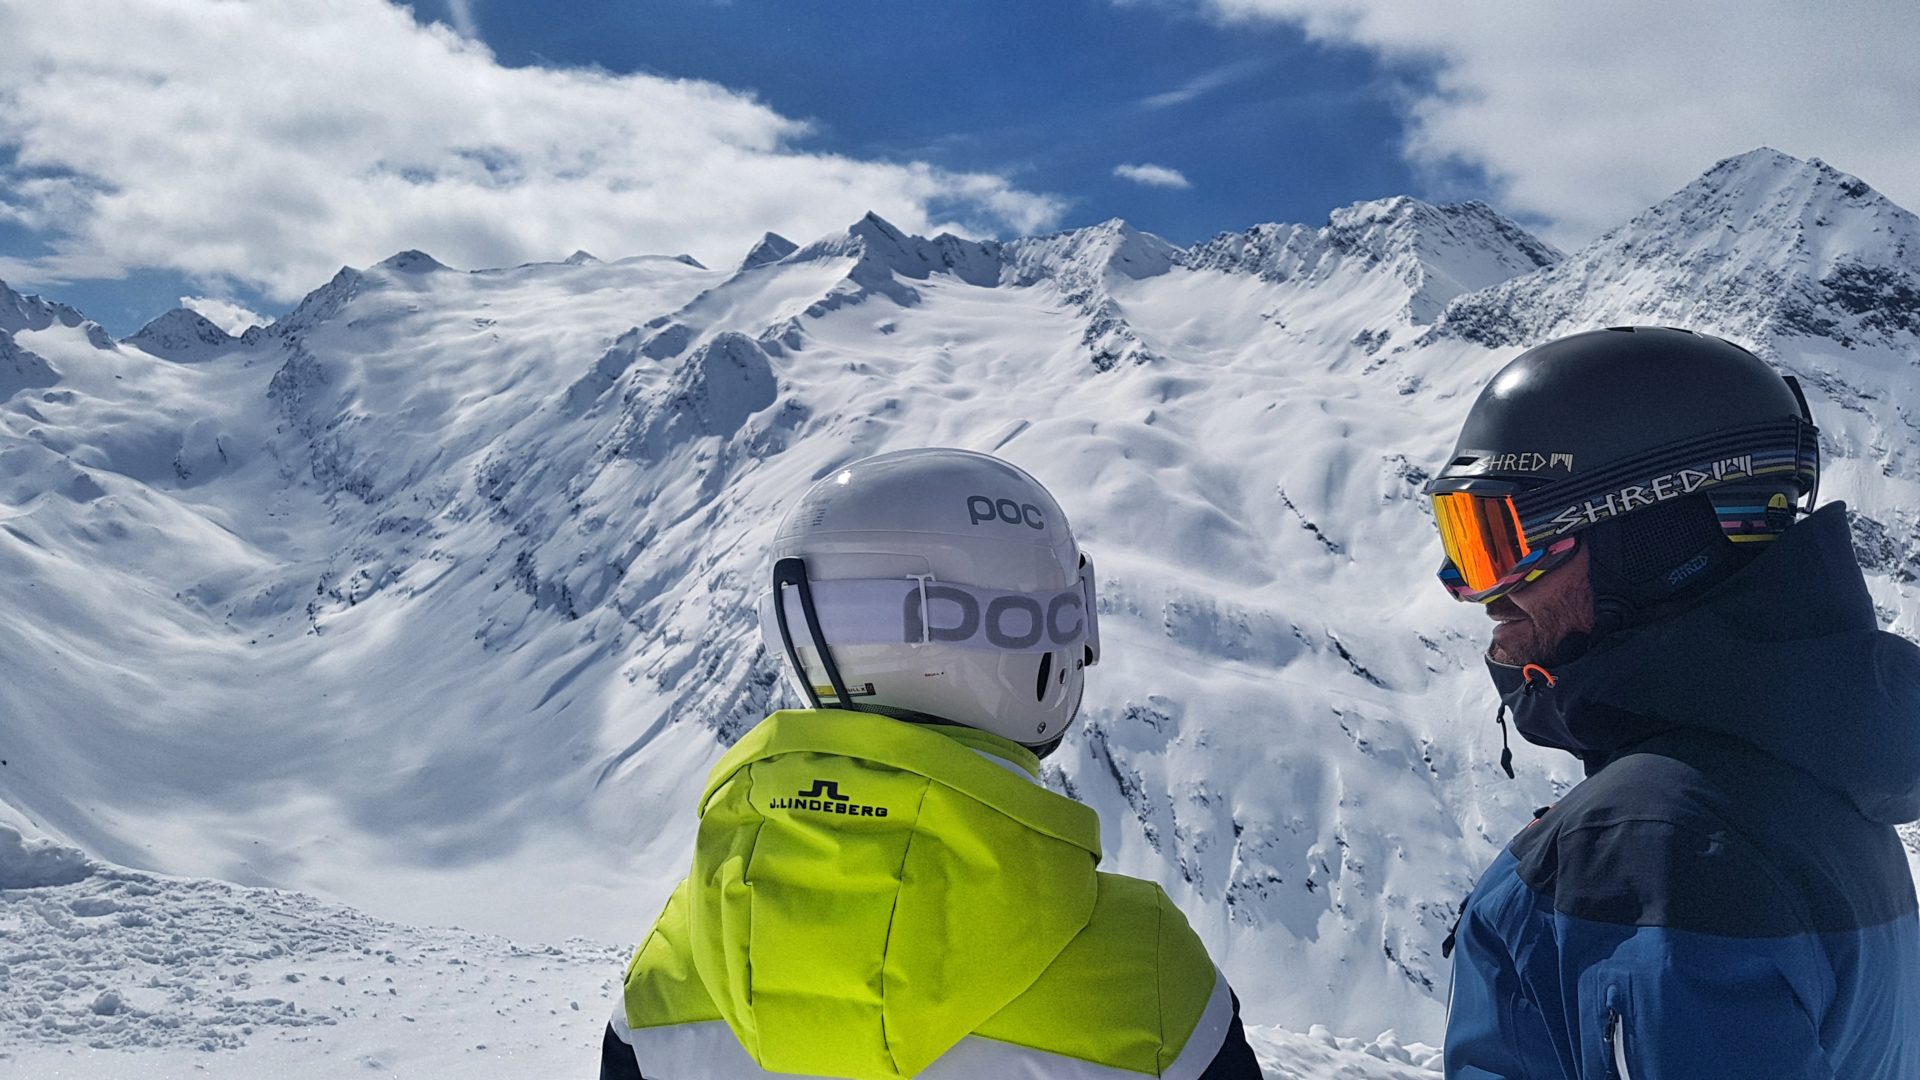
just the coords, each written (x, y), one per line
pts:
(1724, 895)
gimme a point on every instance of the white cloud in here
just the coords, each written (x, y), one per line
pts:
(1152, 176)
(1202, 84)
(1585, 113)
(269, 142)
(225, 314)
(461, 12)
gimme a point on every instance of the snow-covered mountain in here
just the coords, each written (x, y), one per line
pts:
(181, 334)
(1841, 264)
(1437, 252)
(436, 597)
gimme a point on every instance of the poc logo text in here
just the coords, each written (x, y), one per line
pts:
(1014, 623)
(982, 509)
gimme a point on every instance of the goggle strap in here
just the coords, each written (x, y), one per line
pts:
(791, 572)
(1787, 438)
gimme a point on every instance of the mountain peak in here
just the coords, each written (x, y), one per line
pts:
(1762, 243)
(411, 262)
(1086, 256)
(871, 222)
(1436, 252)
(581, 257)
(1757, 161)
(181, 334)
(771, 249)
(1767, 189)
(26, 311)
(322, 303)
(883, 254)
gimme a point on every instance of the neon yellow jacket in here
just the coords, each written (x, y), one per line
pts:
(875, 899)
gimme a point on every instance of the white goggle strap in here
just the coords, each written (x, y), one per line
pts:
(922, 611)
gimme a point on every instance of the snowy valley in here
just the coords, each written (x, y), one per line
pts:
(433, 600)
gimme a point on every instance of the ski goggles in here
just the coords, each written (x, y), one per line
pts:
(1488, 554)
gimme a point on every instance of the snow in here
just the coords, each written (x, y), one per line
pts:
(115, 973)
(434, 600)
(32, 864)
(125, 974)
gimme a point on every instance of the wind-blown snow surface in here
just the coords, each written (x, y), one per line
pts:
(435, 598)
(116, 973)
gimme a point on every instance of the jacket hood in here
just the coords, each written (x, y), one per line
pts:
(866, 892)
(1785, 655)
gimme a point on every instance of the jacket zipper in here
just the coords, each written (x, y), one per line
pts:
(1617, 1046)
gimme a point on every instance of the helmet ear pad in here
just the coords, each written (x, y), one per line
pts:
(1671, 553)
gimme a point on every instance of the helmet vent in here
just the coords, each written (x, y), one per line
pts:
(1040, 684)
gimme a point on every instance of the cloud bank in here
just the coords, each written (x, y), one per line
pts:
(225, 314)
(1582, 114)
(1152, 176)
(268, 142)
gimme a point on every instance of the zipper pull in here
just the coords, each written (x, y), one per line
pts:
(1506, 750)
(1616, 1043)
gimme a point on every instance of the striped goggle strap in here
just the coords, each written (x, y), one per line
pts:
(1778, 451)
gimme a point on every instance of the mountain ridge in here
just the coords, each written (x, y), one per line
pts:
(444, 583)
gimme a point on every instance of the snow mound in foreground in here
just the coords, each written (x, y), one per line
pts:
(125, 974)
(1321, 1055)
(32, 864)
(112, 973)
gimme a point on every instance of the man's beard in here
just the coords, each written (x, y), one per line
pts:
(1539, 632)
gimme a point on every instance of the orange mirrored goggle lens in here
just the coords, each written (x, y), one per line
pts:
(1481, 534)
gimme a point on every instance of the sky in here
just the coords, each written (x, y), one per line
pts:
(235, 154)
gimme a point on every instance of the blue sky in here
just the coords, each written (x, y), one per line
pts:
(238, 154)
(1054, 93)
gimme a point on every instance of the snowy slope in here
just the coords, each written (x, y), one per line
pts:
(435, 598)
(119, 974)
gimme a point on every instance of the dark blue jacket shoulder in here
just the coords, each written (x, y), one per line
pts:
(1704, 833)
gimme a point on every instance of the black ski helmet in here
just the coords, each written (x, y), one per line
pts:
(1673, 454)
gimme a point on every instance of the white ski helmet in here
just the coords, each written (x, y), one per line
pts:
(935, 585)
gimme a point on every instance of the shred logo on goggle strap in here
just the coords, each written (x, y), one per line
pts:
(825, 798)
(1524, 462)
(1661, 488)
